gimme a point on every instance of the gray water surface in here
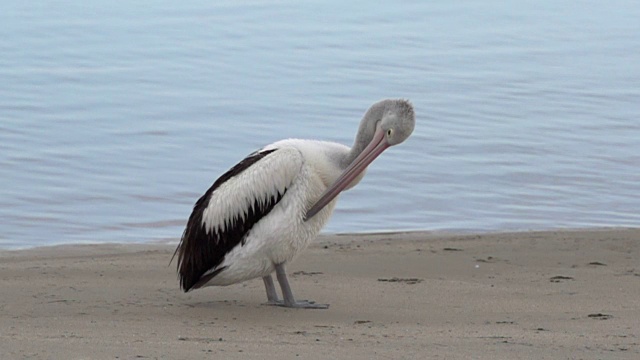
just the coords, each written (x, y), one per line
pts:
(116, 116)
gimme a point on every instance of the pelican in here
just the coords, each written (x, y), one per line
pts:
(258, 216)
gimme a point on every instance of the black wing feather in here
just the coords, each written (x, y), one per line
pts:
(199, 251)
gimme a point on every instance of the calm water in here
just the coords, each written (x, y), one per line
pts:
(115, 117)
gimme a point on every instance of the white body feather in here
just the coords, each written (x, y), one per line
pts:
(305, 168)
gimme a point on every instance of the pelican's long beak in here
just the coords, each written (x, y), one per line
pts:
(377, 145)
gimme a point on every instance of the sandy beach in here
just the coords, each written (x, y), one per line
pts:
(528, 295)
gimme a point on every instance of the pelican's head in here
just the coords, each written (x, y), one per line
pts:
(397, 120)
(386, 123)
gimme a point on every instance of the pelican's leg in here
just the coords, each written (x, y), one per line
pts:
(272, 295)
(289, 300)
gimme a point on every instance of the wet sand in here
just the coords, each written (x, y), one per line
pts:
(536, 295)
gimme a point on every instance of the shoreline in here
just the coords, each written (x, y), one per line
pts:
(375, 233)
(568, 293)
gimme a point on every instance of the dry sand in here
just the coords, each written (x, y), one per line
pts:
(530, 295)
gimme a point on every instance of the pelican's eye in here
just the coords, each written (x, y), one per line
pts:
(389, 132)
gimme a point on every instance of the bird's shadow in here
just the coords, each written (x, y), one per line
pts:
(215, 304)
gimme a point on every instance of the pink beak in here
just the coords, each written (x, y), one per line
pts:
(377, 145)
